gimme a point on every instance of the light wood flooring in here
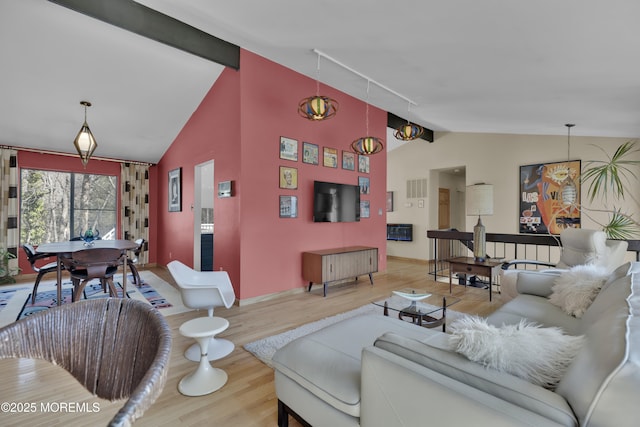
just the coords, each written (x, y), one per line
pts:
(248, 398)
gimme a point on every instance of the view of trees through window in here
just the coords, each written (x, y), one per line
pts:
(56, 206)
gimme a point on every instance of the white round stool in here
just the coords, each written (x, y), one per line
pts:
(206, 379)
(218, 348)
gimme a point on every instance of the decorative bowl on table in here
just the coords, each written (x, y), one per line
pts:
(89, 236)
(412, 294)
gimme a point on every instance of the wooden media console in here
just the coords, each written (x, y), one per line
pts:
(330, 265)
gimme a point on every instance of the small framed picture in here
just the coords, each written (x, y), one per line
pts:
(348, 161)
(363, 163)
(309, 153)
(389, 201)
(288, 177)
(288, 149)
(288, 206)
(363, 182)
(330, 157)
(364, 209)
(175, 190)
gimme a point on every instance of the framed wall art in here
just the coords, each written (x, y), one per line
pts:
(288, 149)
(175, 190)
(363, 163)
(363, 182)
(330, 157)
(288, 177)
(288, 206)
(549, 197)
(348, 161)
(309, 153)
(364, 209)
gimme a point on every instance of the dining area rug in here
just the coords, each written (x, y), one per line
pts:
(15, 300)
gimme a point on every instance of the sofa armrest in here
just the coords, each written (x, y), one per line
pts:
(537, 283)
(514, 263)
(402, 372)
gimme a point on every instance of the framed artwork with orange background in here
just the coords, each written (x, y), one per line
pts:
(549, 197)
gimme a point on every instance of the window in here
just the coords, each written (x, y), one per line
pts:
(56, 206)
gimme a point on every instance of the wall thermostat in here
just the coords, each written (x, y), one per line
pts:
(225, 189)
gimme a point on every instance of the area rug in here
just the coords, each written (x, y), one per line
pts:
(265, 348)
(15, 300)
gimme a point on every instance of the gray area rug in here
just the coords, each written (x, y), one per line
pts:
(265, 348)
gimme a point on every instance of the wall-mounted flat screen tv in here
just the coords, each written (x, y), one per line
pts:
(334, 202)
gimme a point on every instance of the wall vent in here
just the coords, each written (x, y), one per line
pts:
(417, 188)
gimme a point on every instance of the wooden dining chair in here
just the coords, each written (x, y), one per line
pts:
(132, 263)
(116, 348)
(33, 258)
(97, 263)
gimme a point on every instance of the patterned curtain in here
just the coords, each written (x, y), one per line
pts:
(9, 237)
(135, 204)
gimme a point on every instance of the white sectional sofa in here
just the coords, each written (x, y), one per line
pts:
(378, 371)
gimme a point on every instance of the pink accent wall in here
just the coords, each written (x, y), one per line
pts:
(52, 162)
(212, 132)
(239, 124)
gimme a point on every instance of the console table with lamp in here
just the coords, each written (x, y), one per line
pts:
(479, 201)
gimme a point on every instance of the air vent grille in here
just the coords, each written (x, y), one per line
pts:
(417, 188)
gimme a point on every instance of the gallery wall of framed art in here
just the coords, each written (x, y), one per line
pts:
(312, 156)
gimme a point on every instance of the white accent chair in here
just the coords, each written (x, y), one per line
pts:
(580, 246)
(204, 289)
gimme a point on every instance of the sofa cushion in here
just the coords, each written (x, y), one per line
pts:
(538, 283)
(327, 362)
(499, 384)
(536, 309)
(575, 289)
(603, 383)
(526, 350)
(623, 270)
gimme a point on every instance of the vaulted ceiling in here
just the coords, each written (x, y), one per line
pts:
(491, 66)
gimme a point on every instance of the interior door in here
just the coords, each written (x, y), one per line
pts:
(203, 217)
(444, 209)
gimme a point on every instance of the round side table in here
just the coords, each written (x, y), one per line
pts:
(206, 379)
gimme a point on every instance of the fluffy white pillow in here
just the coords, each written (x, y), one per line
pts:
(575, 289)
(526, 350)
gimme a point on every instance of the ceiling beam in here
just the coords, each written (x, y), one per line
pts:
(395, 122)
(144, 21)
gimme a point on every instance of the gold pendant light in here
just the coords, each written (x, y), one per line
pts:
(318, 107)
(85, 143)
(409, 131)
(367, 145)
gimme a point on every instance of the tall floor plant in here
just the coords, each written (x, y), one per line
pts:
(612, 181)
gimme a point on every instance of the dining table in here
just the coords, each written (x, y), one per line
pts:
(65, 248)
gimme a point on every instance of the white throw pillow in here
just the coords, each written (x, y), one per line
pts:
(575, 289)
(526, 350)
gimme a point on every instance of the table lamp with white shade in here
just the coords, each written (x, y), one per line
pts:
(479, 201)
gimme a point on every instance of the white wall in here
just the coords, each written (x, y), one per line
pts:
(490, 158)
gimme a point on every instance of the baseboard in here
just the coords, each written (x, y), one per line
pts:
(269, 297)
(412, 260)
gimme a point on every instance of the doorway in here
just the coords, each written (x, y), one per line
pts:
(444, 209)
(203, 222)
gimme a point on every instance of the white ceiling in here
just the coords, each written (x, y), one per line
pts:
(504, 66)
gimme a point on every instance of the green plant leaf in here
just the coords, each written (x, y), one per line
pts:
(607, 177)
(621, 227)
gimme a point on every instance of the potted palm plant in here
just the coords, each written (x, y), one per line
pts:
(611, 181)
